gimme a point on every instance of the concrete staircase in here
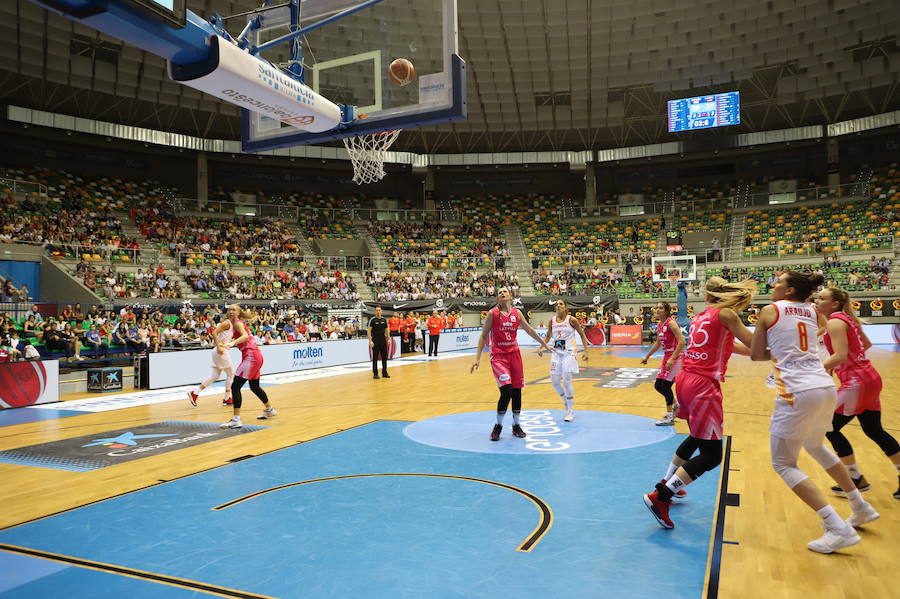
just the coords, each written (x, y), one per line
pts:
(375, 254)
(518, 260)
(734, 245)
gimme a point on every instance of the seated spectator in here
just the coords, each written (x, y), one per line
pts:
(93, 341)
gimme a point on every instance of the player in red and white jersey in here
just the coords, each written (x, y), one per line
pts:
(563, 329)
(787, 334)
(669, 336)
(221, 363)
(859, 395)
(501, 325)
(710, 344)
(249, 368)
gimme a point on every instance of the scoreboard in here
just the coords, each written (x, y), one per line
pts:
(703, 112)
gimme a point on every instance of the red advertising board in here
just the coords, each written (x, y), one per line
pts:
(625, 334)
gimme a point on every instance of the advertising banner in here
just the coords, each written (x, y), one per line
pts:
(28, 383)
(171, 369)
(625, 334)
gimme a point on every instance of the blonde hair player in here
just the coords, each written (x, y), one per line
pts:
(562, 328)
(249, 368)
(221, 364)
(668, 335)
(805, 399)
(859, 395)
(710, 344)
(501, 325)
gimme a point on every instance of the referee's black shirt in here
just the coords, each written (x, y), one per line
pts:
(378, 326)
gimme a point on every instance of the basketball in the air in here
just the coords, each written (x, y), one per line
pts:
(402, 72)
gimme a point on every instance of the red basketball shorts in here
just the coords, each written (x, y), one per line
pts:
(250, 366)
(700, 403)
(507, 368)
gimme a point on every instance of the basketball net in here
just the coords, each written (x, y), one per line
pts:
(367, 155)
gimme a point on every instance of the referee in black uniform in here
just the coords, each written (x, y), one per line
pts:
(378, 343)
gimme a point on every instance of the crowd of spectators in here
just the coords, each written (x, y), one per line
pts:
(240, 236)
(583, 280)
(98, 333)
(63, 226)
(106, 281)
(279, 284)
(403, 285)
(436, 241)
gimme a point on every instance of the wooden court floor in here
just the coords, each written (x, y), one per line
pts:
(764, 552)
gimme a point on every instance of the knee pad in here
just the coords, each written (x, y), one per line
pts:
(824, 456)
(516, 400)
(840, 443)
(789, 473)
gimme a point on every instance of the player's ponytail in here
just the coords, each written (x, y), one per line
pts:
(731, 295)
(803, 283)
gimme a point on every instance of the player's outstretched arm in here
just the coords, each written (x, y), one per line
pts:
(482, 340)
(531, 332)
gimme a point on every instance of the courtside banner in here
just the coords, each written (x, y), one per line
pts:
(625, 334)
(172, 369)
(457, 339)
(28, 383)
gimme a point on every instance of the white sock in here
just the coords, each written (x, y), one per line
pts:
(674, 483)
(831, 518)
(670, 471)
(500, 416)
(515, 417)
(197, 390)
(853, 469)
(570, 403)
(856, 500)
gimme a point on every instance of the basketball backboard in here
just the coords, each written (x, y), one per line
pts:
(672, 269)
(347, 61)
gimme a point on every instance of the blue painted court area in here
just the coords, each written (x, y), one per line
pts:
(457, 532)
(25, 415)
(546, 429)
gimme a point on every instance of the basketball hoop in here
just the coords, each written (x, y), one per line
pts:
(367, 155)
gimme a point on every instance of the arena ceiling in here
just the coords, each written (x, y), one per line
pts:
(543, 74)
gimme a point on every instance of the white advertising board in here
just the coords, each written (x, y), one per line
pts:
(28, 383)
(171, 369)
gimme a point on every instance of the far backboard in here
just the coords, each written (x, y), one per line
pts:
(672, 269)
(347, 62)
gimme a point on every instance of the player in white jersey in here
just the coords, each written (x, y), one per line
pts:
(562, 329)
(805, 400)
(221, 363)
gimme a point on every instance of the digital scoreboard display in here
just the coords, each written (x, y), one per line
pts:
(673, 241)
(703, 112)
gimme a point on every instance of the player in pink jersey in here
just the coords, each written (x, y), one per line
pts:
(710, 344)
(501, 325)
(859, 395)
(248, 369)
(221, 364)
(672, 341)
(786, 335)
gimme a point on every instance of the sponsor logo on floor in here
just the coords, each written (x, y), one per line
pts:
(609, 378)
(99, 450)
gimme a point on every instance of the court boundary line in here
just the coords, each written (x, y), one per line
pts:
(714, 568)
(163, 482)
(543, 527)
(134, 573)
